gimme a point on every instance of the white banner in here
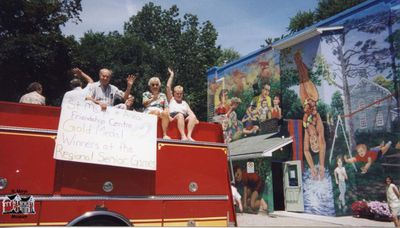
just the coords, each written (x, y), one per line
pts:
(113, 137)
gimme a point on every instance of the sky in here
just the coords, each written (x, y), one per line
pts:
(241, 24)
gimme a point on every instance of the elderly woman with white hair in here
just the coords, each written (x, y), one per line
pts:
(156, 103)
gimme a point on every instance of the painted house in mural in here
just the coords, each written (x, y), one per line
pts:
(336, 86)
(379, 116)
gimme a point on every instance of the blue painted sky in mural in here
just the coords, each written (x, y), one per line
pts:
(242, 25)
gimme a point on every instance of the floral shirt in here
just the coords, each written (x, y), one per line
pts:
(160, 103)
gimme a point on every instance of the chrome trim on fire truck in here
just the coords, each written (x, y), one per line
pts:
(131, 198)
(28, 129)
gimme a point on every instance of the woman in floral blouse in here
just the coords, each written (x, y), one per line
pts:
(156, 103)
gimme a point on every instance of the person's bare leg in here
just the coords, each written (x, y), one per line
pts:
(253, 201)
(181, 125)
(307, 154)
(395, 220)
(386, 147)
(164, 123)
(322, 146)
(192, 121)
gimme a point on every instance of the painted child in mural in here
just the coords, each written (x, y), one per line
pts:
(223, 106)
(314, 138)
(235, 127)
(253, 188)
(368, 156)
(340, 178)
(264, 112)
(276, 111)
(251, 120)
(264, 96)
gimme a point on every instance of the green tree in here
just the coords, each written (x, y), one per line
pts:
(337, 107)
(328, 8)
(301, 20)
(184, 44)
(227, 55)
(325, 9)
(32, 47)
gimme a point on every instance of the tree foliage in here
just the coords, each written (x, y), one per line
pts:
(328, 8)
(301, 20)
(32, 47)
(227, 55)
(325, 9)
(183, 43)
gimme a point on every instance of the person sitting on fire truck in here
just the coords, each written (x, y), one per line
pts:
(179, 109)
(34, 95)
(77, 92)
(156, 103)
(104, 94)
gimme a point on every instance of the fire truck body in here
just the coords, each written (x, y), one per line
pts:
(190, 186)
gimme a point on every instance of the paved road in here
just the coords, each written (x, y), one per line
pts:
(285, 219)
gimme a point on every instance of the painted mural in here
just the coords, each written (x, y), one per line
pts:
(343, 87)
(245, 98)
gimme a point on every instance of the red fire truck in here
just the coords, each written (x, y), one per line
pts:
(190, 186)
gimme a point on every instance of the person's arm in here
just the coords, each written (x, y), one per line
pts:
(245, 197)
(396, 191)
(148, 98)
(129, 82)
(78, 72)
(169, 84)
(103, 106)
(336, 176)
(345, 174)
(366, 167)
(349, 160)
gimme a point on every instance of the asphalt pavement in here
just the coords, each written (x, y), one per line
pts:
(292, 219)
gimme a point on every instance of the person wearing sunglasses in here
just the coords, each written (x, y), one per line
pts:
(156, 103)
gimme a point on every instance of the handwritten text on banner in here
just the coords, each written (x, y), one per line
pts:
(113, 137)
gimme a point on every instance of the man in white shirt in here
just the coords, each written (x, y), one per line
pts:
(34, 95)
(104, 94)
(179, 109)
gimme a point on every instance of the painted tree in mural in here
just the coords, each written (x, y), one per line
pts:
(364, 59)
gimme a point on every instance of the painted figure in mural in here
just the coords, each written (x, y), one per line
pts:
(253, 188)
(213, 86)
(264, 96)
(264, 112)
(314, 138)
(235, 127)
(276, 111)
(340, 178)
(238, 78)
(223, 106)
(34, 95)
(264, 77)
(179, 109)
(368, 156)
(393, 199)
(156, 103)
(237, 198)
(251, 120)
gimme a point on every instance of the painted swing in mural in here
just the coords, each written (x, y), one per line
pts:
(365, 155)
